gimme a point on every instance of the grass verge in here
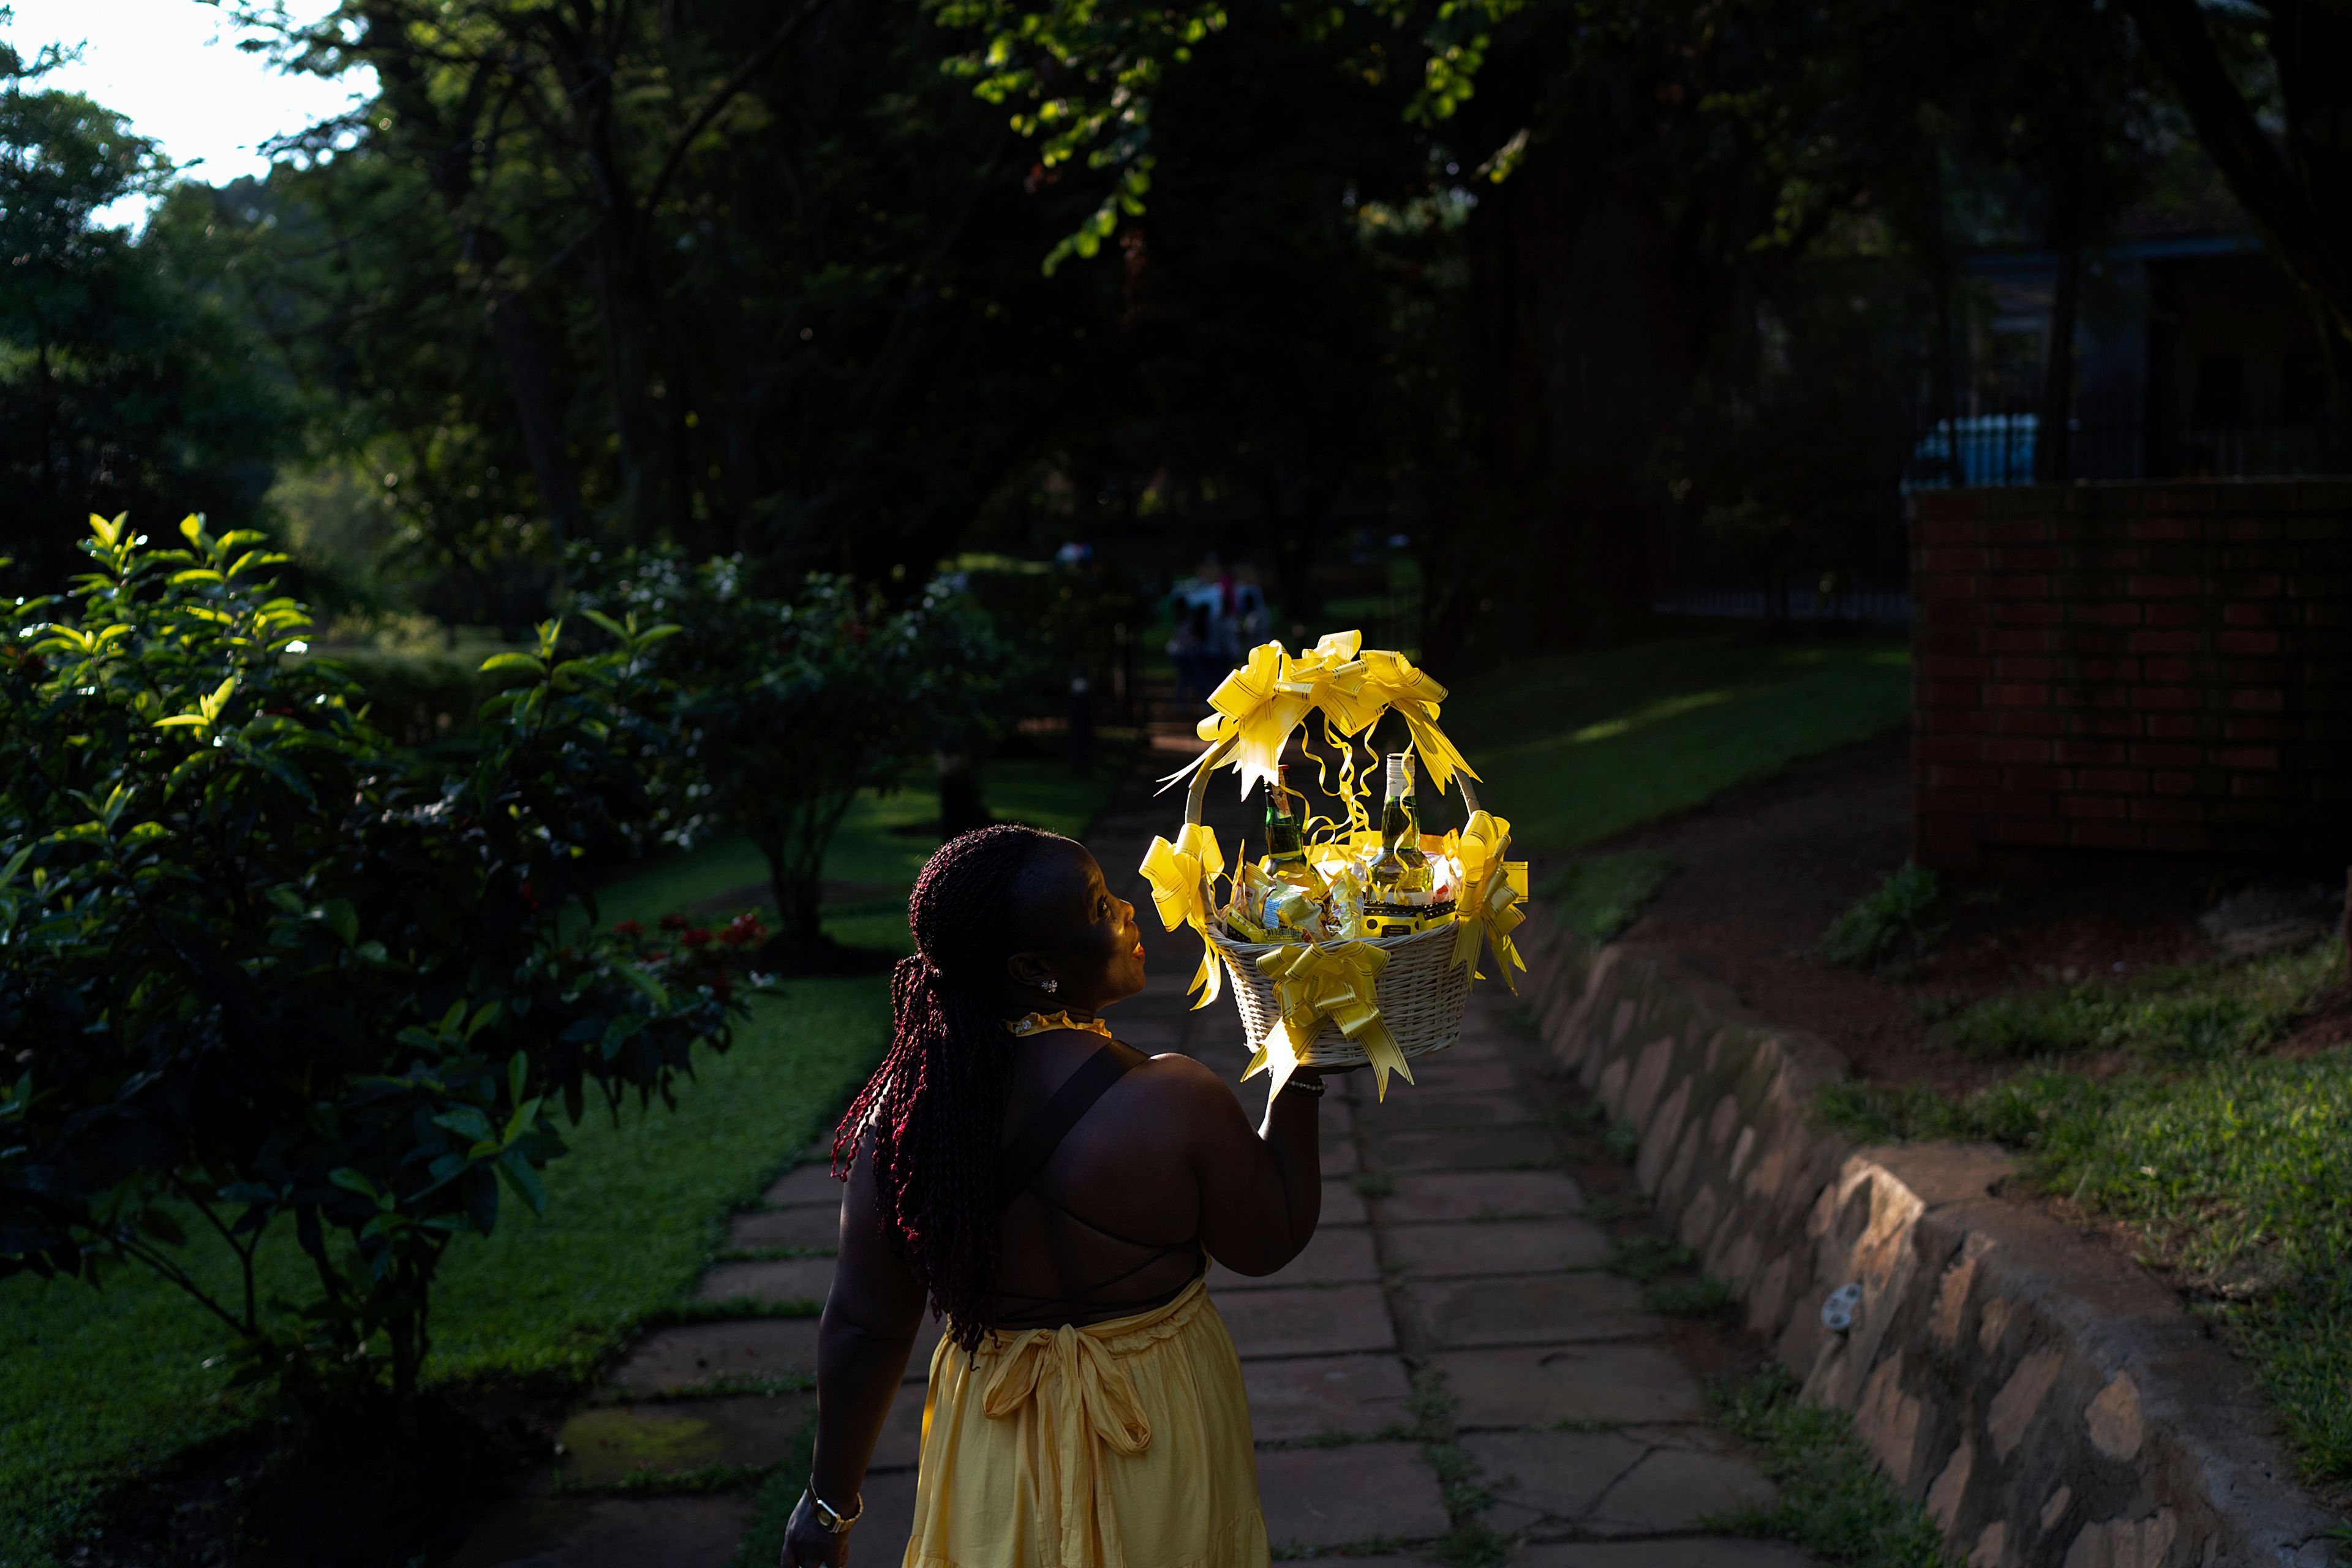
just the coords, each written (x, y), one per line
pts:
(1575, 747)
(1600, 896)
(1834, 1503)
(2233, 1168)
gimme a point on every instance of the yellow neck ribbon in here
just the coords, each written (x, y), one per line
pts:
(1179, 874)
(1257, 706)
(1337, 981)
(1046, 1023)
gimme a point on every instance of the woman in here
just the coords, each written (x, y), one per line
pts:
(1057, 1196)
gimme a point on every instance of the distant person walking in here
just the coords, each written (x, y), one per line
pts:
(1056, 1195)
(1193, 650)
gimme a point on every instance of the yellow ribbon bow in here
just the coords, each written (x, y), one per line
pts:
(1493, 890)
(1338, 980)
(1082, 1397)
(1179, 874)
(1392, 680)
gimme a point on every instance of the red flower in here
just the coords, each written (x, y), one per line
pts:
(698, 937)
(673, 922)
(628, 928)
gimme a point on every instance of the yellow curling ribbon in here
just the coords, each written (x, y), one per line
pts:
(1179, 874)
(1335, 981)
(1494, 892)
(1257, 706)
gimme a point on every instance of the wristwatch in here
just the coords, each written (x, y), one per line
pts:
(831, 1518)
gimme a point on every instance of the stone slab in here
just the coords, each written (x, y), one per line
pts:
(1339, 1156)
(1415, 1112)
(880, 1539)
(809, 1225)
(699, 1353)
(785, 1279)
(809, 1184)
(1529, 1309)
(1672, 1488)
(900, 1445)
(1448, 1074)
(1330, 1496)
(1450, 1196)
(1292, 1320)
(765, 1347)
(1515, 1147)
(1704, 1552)
(1556, 1476)
(1499, 1247)
(1310, 1396)
(610, 1532)
(1341, 1205)
(1533, 1386)
(606, 1443)
(1338, 1255)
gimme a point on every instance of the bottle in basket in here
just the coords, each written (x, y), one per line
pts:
(1399, 891)
(1285, 848)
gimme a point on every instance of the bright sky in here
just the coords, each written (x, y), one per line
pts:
(174, 68)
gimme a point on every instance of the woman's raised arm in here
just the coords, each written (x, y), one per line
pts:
(1262, 1188)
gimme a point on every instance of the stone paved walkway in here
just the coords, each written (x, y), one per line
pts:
(1448, 1356)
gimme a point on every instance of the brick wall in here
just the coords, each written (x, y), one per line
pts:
(2159, 667)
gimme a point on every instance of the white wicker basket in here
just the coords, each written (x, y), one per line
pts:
(1422, 993)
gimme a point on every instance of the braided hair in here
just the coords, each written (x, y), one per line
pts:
(936, 1105)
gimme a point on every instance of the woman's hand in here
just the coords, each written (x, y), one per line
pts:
(808, 1544)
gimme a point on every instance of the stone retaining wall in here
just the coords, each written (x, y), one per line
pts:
(2048, 1401)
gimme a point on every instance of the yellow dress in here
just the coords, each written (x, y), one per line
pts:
(1123, 1444)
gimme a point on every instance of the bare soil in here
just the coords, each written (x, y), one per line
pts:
(1763, 870)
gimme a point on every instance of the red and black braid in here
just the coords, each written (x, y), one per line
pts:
(936, 1105)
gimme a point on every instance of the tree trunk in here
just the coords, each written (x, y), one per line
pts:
(542, 421)
(2054, 446)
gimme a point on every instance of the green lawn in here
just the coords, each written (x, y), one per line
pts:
(94, 1384)
(1575, 747)
(2234, 1165)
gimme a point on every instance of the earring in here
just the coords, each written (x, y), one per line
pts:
(1049, 984)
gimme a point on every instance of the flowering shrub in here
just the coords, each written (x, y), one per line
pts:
(696, 957)
(259, 968)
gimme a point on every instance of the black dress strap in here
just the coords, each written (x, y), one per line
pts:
(1051, 1122)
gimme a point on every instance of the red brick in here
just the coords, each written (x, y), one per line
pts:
(2021, 804)
(2174, 783)
(2026, 613)
(2236, 728)
(2050, 780)
(2024, 830)
(2166, 697)
(1937, 611)
(2249, 757)
(2093, 751)
(2241, 812)
(2251, 530)
(2026, 721)
(2100, 806)
(2247, 642)
(2175, 836)
(2016, 750)
(2017, 694)
(2126, 669)
(2260, 585)
(2173, 727)
(2166, 754)
(2171, 613)
(2017, 530)
(2153, 585)
(1954, 667)
(2167, 808)
(2112, 781)
(2091, 724)
(1963, 775)
(1951, 639)
(2020, 667)
(1948, 694)
(2110, 559)
(1949, 558)
(1947, 747)
(2020, 641)
(2176, 671)
(2256, 787)
(2164, 528)
(2166, 642)
(2243, 672)
(2018, 586)
(2105, 835)
(2029, 558)
(1942, 529)
(2103, 613)
(2254, 614)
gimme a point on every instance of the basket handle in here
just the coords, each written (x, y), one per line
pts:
(1196, 795)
